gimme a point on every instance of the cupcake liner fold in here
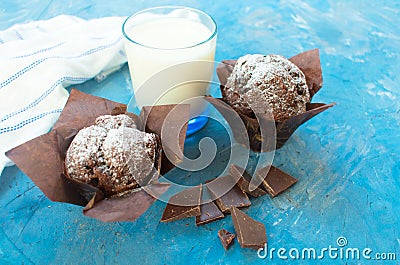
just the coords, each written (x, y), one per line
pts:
(309, 64)
(42, 158)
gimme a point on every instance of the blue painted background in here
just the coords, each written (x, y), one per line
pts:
(346, 159)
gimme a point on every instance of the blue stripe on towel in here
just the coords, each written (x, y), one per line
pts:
(21, 72)
(40, 51)
(45, 94)
(28, 121)
(99, 48)
(19, 36)
(37, 62)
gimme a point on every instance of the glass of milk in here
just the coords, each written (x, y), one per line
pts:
(170, 52)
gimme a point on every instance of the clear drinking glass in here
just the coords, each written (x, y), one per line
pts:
(170, 52)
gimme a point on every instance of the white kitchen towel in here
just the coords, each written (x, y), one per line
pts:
(39, 59)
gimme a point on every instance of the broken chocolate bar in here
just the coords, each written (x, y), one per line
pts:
(209, 211)
(274, 180)
(226, 238)
(243, 181)
(250, 233)
(183, 205)
(227, 194)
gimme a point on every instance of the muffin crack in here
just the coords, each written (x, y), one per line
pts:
(112, 155)
(279, 83)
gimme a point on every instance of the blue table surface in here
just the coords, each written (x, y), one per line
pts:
(346, 159)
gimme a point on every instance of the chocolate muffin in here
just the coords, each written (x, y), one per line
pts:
(112, 155)
(115, 121)
(278, 81)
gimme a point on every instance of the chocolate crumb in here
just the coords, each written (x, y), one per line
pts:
(226, 238)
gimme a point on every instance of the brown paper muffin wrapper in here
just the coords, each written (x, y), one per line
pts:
(309, 64)
(42, 158)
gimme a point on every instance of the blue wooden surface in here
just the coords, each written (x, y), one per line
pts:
(346, 160)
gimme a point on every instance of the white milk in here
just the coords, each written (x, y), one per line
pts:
(168, 52)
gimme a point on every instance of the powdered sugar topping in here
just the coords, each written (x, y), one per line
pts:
(112, 155)
(272, 77)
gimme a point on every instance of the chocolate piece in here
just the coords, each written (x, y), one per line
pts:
(42, 159)
(226, 238)
(309, 63)
(243, 181)
(227, 194)
(183, 205)
(274, 180)
(250, 233)
(209, 211)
